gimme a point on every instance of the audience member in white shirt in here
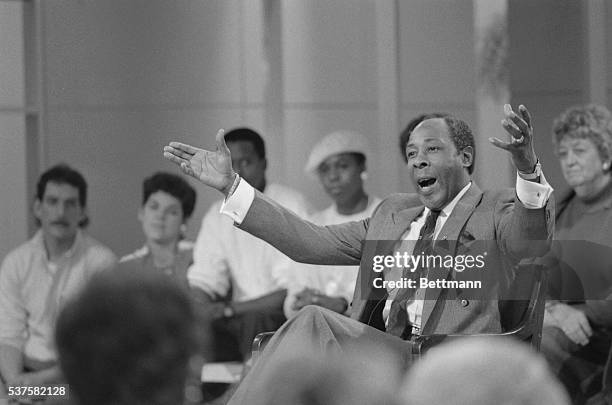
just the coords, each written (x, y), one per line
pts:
(339, 162)
(238, 280)
(38, 277)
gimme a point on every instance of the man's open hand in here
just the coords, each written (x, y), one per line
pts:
(211, 168)
(520, 146)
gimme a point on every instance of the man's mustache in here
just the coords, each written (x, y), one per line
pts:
(62, 222)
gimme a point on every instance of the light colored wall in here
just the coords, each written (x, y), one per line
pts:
(436, 61)
(608, 56)
(329, 56)
(14, 197)
(546, 67)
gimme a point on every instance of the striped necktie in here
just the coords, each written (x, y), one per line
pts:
(398, 318)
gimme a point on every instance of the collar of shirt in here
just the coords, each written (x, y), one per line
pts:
(445, 213)
(39, 243)
(181, 246)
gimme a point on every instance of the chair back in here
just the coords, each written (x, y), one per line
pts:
(522, 306)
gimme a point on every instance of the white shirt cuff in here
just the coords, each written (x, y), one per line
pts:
(533, 195)
(237, 205)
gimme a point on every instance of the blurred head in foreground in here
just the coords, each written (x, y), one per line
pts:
(127, 338)
(360, 375)
(479, 371)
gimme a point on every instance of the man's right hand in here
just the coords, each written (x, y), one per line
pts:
(573, 322)
(521, 145)
(211, 168)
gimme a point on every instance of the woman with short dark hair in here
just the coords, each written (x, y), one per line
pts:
(167, 204)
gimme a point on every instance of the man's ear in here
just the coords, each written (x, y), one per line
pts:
(36, 208)
(467, 156)
(265, 163)
(84, 217)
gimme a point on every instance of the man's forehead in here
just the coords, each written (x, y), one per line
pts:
(241, 145)
(61, 189)
(240, 149)
(430, 129)
(435, 123)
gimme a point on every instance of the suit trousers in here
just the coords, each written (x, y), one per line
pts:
(321, 332)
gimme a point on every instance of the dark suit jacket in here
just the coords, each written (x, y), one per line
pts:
(491, 216)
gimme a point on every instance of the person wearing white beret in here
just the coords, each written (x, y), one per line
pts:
(339, 161)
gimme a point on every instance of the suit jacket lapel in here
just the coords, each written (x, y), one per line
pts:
(391, 231)
(402, 220)
(450, 234)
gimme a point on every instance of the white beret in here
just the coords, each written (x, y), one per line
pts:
(333, 144)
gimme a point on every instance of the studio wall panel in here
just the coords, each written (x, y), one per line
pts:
(135, 52)
(329, 51)
(15, 200)
(436, 51)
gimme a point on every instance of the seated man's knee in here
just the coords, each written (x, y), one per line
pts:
(310, 311)
(311, 314)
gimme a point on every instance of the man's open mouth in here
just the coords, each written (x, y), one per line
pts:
(426, 182)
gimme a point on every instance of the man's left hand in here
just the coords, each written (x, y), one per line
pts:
(307, 296)
(521, 139)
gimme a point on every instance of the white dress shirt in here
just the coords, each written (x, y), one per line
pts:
(226, 256)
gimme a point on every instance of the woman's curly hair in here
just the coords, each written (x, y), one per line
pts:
(591, 121)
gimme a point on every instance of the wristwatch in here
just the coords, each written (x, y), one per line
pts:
(537, 172)
(228, 311)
